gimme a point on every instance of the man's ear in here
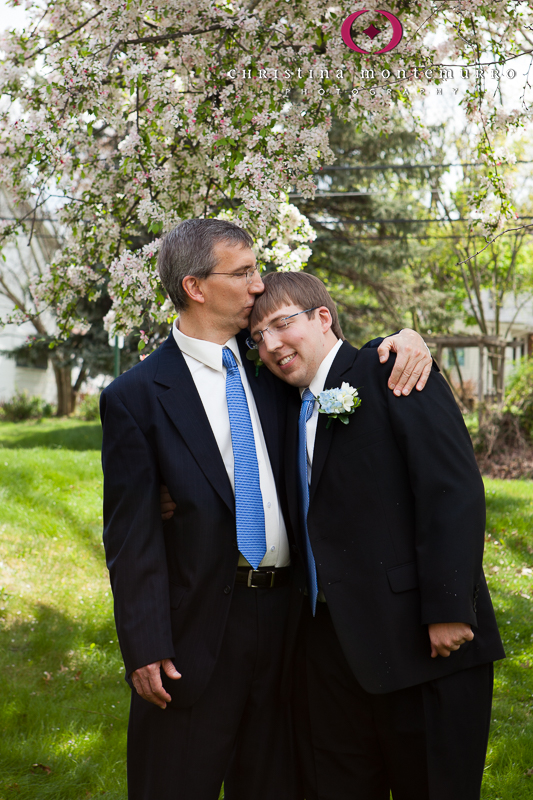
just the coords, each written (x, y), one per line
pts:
(193, 289)
(325, 318)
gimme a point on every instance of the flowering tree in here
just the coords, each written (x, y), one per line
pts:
(122, 118)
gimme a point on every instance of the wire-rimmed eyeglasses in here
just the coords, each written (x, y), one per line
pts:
(258, 338)
(249, 274)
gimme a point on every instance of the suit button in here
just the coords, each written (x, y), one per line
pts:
(227, 589)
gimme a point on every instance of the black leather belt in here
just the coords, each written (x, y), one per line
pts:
(262, 578)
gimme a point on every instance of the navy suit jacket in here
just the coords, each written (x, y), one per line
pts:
(173, 582)
(397, 522)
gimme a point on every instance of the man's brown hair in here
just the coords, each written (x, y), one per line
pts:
(294, 288)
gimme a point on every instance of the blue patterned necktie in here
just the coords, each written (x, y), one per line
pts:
(308, 401)
(249, 512)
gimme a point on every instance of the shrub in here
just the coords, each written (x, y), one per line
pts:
(88, 407)
(504, 438)
(519, 395)
(24, 406)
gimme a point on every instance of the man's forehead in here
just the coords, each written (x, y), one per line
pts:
(233, 251)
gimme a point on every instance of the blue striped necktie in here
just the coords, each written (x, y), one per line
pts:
(308, 401)
(249, 512)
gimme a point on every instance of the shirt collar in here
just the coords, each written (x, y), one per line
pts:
(317, 384)
(208, 353)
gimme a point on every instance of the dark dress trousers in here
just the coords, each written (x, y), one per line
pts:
(396, 522)
(175, 595)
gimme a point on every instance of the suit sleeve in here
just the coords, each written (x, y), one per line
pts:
(374, 342)
(449, 499)
(133, 538)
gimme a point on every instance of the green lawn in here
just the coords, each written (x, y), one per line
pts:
(509, 569)
(67, 434)
(63, 700)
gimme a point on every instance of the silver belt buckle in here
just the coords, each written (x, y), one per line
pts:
(254, 586)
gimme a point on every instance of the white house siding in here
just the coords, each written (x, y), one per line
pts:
(14, 378)
(513, 325)
(18, 262)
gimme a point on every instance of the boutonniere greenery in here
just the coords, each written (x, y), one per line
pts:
(253, 355)
(338, 403)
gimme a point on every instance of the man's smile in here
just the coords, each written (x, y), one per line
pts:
(287, 359)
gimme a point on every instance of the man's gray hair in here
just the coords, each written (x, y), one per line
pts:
(188, 249)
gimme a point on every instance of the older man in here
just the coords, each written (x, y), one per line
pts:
(201, 601)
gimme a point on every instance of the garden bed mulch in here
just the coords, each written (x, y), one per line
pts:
(511, 464)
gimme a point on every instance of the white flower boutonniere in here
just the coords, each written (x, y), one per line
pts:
(338, 403)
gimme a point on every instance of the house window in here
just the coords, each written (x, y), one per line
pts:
(460, 354)
(31, 360)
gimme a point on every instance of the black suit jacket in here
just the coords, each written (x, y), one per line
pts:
(172, 582)
(396, 521)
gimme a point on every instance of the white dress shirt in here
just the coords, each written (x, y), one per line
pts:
(316, 386)
(204, 360)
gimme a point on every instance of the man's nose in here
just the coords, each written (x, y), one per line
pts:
(256, 286)
(272, 342)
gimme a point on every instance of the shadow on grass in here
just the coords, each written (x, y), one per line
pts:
(86, 436)
(63, 709)
(507, 504)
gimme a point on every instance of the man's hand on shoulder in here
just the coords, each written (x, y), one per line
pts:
(448, 636)
(413, 361)
(148, 684)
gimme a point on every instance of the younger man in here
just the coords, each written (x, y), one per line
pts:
(397, 633)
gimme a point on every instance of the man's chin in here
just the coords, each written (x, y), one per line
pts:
(291, 378)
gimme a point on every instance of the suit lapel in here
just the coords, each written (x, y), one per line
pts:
(343, 362)
(183, 405)
(291, 461)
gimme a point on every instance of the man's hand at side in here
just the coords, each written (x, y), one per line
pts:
(167, 503)
(413, 361)
(448, 636)
(147, 681)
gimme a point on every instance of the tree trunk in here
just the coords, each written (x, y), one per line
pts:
(65, 405)
(80, 380)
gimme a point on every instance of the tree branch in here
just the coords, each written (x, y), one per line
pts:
(65, 35)
(509, 230)
(165, 37)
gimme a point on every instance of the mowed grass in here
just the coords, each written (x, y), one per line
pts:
(63, 700)
(68, 434)
(509, 570)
